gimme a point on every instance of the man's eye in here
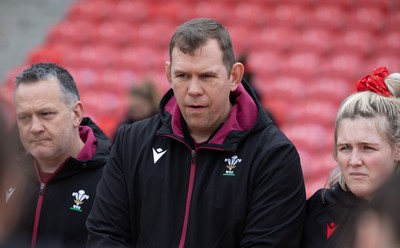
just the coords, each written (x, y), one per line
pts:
(47, 114)
(22, 117)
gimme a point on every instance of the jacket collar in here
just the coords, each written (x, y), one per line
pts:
(245, 114)
(74, 165)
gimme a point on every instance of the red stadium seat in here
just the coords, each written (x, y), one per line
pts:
(317, 40)
(265, 63)
(368, 18)
(132, 11)
(290, 88)
(215, 10)
(327, 16)
(333, 89)
(358, 41)
(303, 64)
(277, 39)
(306, 111)
(155, 33)
(343, 64)
(81, 10)
(78, 33)
(44, 54)
(390, 60)
(175, 12)
(92, 10)
(390, 41)
(278, 108)
(289, 15)
(246, 14)
(86, 78)
(308, 135)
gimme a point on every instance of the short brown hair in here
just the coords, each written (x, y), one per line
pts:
(195, 33)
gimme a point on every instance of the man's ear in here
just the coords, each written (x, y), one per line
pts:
(168, 71)
(236, 75)
(77, 112)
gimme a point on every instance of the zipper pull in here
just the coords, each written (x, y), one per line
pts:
(193, 155)
(42, 186)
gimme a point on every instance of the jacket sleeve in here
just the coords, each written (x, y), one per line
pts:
(109, 221)
(276, 210)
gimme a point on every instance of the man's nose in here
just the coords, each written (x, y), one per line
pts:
(36, 125)
(194, 87)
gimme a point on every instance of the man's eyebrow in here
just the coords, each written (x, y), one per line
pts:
(209, 73)
(178, 71)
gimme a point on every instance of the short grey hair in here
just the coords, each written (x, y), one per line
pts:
(50, 71)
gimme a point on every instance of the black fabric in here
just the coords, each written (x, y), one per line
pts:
(141, 202)
(329, 211)
(61, 225)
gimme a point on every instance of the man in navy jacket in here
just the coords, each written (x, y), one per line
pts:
(210, 170)
(62, 162)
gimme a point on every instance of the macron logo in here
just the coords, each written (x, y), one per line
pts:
(157, 154)
(330, 228)
(9, 192)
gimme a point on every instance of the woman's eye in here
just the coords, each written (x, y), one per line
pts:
(369, 148)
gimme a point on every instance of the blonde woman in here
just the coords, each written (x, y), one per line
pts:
(367, 150)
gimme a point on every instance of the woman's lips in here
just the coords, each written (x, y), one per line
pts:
(358, 175)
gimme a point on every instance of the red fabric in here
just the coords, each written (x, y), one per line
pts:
(87, 136)
(375, 83)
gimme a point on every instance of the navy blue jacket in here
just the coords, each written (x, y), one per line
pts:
(242, 188)
(50, 213)
(329, 214)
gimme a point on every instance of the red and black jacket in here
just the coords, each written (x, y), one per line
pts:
(242, 188)
(329, 214)
(53, 214)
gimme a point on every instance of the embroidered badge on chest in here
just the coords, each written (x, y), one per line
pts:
(232, 162)
(79, 196)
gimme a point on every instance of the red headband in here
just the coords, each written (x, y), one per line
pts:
(375, 83)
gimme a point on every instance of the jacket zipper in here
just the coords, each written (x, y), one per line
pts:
(37, 214)
(188, 199)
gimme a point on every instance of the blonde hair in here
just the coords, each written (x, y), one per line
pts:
(381, 112)
(393, 84)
